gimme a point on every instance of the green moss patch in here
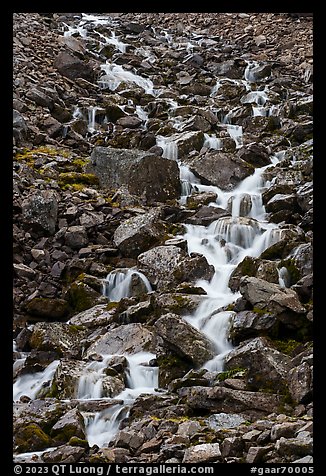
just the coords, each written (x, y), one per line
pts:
(31, 438)
(77, 180)
(236, 372)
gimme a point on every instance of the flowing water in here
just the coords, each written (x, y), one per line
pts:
(31, 384)
(224, 243)
(115, 75)
(141, 378)
(118, 284)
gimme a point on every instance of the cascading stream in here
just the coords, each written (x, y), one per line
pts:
(141, 378)
(225, 243)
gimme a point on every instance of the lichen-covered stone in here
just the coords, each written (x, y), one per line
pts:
(166, 266)
(40, 211)
(184, 339)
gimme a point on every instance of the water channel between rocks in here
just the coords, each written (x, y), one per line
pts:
(224, 243)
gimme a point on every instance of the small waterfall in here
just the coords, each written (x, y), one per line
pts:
(115, 74)
(212, 142)
(284, 277)
(240, 232)
(258, 97)
(188, 182)
(90, 383)
(113, 40)
(141, 378)
(225, 243)
(141, 114)
(118, 284)
(31, 384)
(235, 132)
(169, 146)
(249, 73)
(92, 119)
(102, 427)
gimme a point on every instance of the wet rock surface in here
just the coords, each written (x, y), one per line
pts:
(145, 148)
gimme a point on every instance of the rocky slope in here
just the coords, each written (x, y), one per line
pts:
(97, 193)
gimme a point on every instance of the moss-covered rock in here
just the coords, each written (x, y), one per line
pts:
(31, 438)
(58, 337)
(48, 308)
(75, 441)
(81, 296)
(70, 425)
(171, 367)
(247, 267)
(77, 178)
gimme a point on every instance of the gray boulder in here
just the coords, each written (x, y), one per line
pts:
(72, 67)
(282, 202)
(94, 317)
(64, 454)
(204, 453)
(40, 211)
(221, 399)
(152, 177)
(270, 297)
(66, 378)
(267, 367)
(224, 170)
(47, 308)
(76, 237)
(58, 337)
(254, 154)
(205, 215)
(139, 233)
(303, 258)
(127, 339)
(184, 339)
(300, 382)
(19, 127)
(167, 266)
(247, 324)
(292, 447)
(70, 424)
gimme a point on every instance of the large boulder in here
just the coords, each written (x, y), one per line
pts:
(221, 399)
(64, 454)
(256, 267)
(40, 211)
(152, 177)
(282, 202)
(222, 169)
(204, 453)
(127, 339)
(70, 424)
(206, 214)
(58, 337)
(300, 381)
(187, 142)
(167, 266)
(33, 422)
(254, 154)
(47, 308)
(267, 367)
(139, 233)
(66, 379)
(184, 339)
(270, 297)
(247, 324)
(303, 258)
(94, 317)
(72, 67)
